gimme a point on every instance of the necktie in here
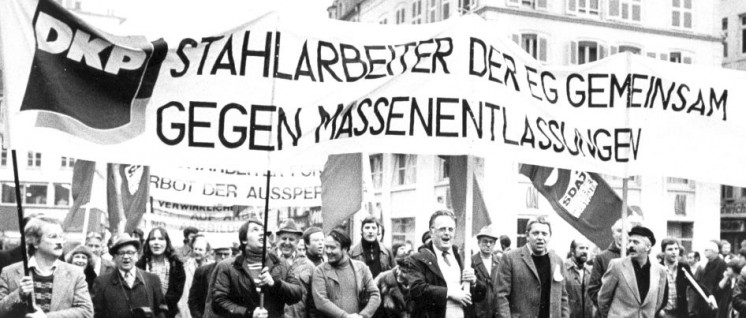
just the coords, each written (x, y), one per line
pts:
(129, 278)
(445, 258)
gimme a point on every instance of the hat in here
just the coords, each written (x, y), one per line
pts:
(289, 227)
(122, 240)
(643, 231)
(486, 231)
(425, 237)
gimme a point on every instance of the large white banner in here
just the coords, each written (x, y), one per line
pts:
(228, 187)
(272, 92)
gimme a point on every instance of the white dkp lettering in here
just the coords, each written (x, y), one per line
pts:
(80, 47)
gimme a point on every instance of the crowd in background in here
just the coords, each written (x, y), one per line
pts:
(309, 273)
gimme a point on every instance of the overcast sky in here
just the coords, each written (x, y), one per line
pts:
(197, 17)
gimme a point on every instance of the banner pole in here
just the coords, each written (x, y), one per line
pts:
(264, 242)
(623, 248)
(30, 301)
(468, 216)
(86, 217)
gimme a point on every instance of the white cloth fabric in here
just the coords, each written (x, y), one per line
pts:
(452, 273)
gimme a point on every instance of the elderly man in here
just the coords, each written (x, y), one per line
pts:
(437, 278)
(634, 286)
(485, 265)
(531, 281)
(127, 290)
(577, 275)
(343, 287)
(95, 242)
(201, 280)
(234, 283)
(49, 278)
(370, 251)
(288, 237)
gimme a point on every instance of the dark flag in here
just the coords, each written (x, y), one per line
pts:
(341, 188)
(457, 178)
(127, 203)
(581, 198)
(87, 191)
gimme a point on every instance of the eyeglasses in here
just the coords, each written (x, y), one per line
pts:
(127, 253)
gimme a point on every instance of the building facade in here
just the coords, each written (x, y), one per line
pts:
(564, 32)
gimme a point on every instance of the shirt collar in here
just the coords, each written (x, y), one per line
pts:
(32, 263)
(637, 265)
(131, 271)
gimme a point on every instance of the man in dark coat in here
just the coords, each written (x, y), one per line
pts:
(435, 283)
(676, 304)
(577, 275)
(10, 256)
(121, 293)
(234, 282)
(485, 265)
(709, 279)
(198, 291)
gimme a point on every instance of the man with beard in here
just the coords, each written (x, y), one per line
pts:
(676, 305)
(314, 239)
(633, 286)
(374, 254)
(101, 266)
(200, 248)
(577, 275)
(234, 283)
(50, 278)
(121, 292)
(601, 261)
(485, 265)
(343, 287)
(531, 281)
(436, 281)
(198, 291)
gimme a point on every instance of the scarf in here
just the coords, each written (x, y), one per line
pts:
(372, 253)
(253, 262)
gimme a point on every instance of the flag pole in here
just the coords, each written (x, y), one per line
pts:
(623, 248)
(86, 217)
(468, 216)
(30, 301)
(264, 242)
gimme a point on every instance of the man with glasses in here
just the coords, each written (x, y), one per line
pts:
(198, 291)
(50, 278)
(485, 264)
(128, 292)
(437, 275)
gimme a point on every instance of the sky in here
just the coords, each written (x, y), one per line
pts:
(197, 17)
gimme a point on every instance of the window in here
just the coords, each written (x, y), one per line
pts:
(382, 21)
(533, 4)
(583, 7)
(534, 44)
(417, 12)
(679, 57)
(683, 231)
(446, 11)
(743, 192)
(628, 10)
(585, 52)
(405, 169)
(628, 48)
(35, 194)
(34, 159)
(376, 170)
(402, 230)
(521, 232)
(432, 11)
(743, 34)
(62, 194)
(8, 193)
(679, 205)
(3, 158)
(466, 6)
(77, 5)
(401, 16)
(443, 170)
(726, 192)
(724, 36)
(67, 162)
(681, 14)
(532, 198)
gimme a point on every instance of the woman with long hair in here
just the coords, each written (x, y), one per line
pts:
(158, 257)
(82, 256)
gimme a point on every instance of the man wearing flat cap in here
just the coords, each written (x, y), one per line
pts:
(123, 292)
(485, 265)
(634, 286)
(288, 237)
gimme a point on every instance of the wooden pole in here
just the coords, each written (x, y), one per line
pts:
(86, 217)
(264, 242)
(623, 249)
(468, 215)
(19, 204)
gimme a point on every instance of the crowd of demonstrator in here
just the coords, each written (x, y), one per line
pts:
(315, 274)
